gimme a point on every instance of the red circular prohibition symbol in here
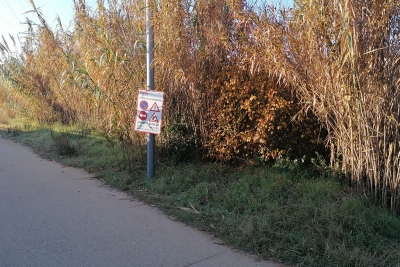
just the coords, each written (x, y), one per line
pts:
(143, 104)
(142, 115)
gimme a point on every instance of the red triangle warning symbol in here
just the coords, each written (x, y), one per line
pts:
(155, 107)
(153, 118)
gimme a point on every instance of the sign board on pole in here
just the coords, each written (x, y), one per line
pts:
(149, 111)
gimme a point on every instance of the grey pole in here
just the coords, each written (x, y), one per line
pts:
(150, 86)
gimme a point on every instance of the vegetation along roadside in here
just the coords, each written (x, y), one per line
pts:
(280, 125)
(302, 216)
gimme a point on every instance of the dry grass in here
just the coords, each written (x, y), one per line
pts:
(3, 122)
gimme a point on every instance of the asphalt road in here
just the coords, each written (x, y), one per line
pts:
(52, 215)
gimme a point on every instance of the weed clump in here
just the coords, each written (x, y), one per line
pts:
(63, 146)
(14, 131)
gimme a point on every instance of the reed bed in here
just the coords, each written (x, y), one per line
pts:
(244, 81)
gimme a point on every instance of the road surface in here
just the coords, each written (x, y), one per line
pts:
(53, 215)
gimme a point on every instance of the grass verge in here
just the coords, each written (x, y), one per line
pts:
(283, 212)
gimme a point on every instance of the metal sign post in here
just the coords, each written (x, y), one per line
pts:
(150, 86)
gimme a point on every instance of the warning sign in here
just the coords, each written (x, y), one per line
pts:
(148, 120)
(155, 107)
(153, 118)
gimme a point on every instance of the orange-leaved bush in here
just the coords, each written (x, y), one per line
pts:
(255, 118)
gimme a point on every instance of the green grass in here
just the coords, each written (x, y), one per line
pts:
(281, 214)
(285, 212)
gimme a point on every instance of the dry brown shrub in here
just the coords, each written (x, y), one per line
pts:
(216, 88)
(254, 117)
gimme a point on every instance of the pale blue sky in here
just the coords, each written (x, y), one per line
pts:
(13, 14)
